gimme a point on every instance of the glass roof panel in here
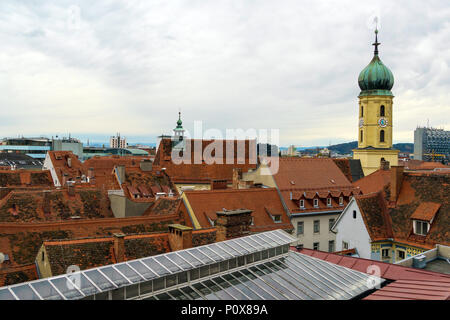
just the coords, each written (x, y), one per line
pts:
(65, 286)
(207, 293)
(218, 291)
(252, 286)
(237, 247)
(228, 249)
(258, 281)
(201, 256)
(163, 296)
(6, 295)
(191, 293)
(155, 266)
(24, 292)
(272, 240)
(167, 263)
(285, 236)
(220, 251)
(114, 276)
(46, 291)
(211, 254)
(128, 272)
(142, 269)
(99, 280)
(190, 258)
(179, 260)
(177, 294)
(259, 245)
(230, 289)
(240, 286)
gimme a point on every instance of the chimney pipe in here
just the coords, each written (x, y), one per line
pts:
(396, 182)
(180, 237)
(119, 246)
(237, 175)
(233, 223)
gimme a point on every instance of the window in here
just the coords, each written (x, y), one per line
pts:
(382, 136)
(400, 255)
(361, 136)
(354, 214)
(331, 246)
(329, 202)
(316, 226)
(362, 111)
(316, 246)
(277, 218)
(344, 245)
(316, 203)
(299, 246)
(43, 256)
(331, 223)
(253, 221)
(341, 201)
(302, 204)
(300, 227)
(421, 228)
(385, 253)
(382, 111)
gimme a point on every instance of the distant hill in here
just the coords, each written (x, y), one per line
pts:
(345, 148)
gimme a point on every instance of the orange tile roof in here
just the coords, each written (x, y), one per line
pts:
(309, 174)
(25, 178)
(206, 203)
(61, 160)
(426, 211)
(421, 165)
(374, 182)
(204, 172)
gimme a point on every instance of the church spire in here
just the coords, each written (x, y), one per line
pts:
(376, 43)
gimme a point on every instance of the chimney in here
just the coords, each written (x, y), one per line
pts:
(146, 165)
(396, 182)
(69, 162)
(180, 237)
(46, 204)
(90, 173)
(237, 175)
(71, 190)
(233, 223)
(384, 164)
(218, 184)
(64, 179)
(120, 170)
(119, 246)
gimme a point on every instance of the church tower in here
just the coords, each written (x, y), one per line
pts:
(375, 115)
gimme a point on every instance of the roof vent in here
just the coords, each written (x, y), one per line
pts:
(419, 261)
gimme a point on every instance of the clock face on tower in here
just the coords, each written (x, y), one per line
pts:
(361, 122)
(382, 122)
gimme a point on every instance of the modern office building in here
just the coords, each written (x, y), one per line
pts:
(431, 144)
(118, 142)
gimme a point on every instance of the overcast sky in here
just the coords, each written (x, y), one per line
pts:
(94, 68)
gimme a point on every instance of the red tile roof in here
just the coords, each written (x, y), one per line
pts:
(204, 172)
(409, 283)
(421, 165)
(260, 200)
(374, 182)
(426, 211)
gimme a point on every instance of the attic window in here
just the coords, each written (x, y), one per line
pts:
(329, 202)
(302, 204)
(421, 227)
(341, 201)
(292, 182)
(277, 218)
(316, 203)
(354, 214)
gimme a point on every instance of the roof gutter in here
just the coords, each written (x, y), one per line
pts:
(300, 214)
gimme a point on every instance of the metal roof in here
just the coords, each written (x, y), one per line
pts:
(259, 266)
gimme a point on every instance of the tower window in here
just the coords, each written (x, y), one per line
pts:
(382, 136)
(362, 111)
(382, 111)
(361, 136)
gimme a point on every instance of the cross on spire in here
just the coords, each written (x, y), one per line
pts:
(376, 43)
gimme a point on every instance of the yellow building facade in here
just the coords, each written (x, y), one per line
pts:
(375, 134)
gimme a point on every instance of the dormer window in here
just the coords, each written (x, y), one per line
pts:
(421, 227)
(341, 201)
(316, 203)
(302, 204)
(277, 218)
(329, 202)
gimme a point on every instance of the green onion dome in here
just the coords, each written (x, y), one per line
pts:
(376, 78)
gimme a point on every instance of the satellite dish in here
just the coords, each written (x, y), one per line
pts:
(2, 257)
